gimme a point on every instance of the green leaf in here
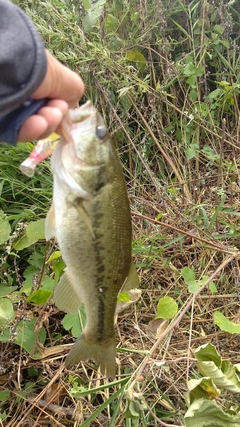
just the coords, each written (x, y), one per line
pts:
(27, 338)
(136, 56)
(93, 15)
(201, 388)
(5, 228)
(225, 324)
(223, 373)
(6, 290)
(191, 151)
(204, 413)
(123, 297)
(213, 288)
(219, 29)
(35, 231)
(40, 296)
(166, 308)
(6, 311)
(75, 322)
(4, 395)
(188, 274)
(86, 4)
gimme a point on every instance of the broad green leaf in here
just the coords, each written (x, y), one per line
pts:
(5, 228)
(48, 283)
(86, 4)
(136, 56)
(4, 395)
(40, 296)
(204, 413)
(188, 274)
(201, 388)
(219, 28)
(33, 233)
(6, 290)
(166, 308)
(223, 373)
(225, 324)
(27, 338)
(6, 311)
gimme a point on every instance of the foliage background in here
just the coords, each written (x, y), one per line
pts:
(165, 76)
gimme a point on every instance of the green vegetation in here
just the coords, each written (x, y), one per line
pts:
(165, 76)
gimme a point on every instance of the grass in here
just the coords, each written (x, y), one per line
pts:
(175, 121)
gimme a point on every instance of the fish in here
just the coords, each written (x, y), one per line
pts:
(91, 220)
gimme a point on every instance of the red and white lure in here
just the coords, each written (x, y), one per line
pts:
(42, 150)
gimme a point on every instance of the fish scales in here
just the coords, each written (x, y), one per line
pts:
(90, 217)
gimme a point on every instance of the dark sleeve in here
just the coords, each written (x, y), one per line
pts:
(22, 58)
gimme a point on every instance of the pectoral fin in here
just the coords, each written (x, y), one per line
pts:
(50, 224)
(66, 296)
(78, 204)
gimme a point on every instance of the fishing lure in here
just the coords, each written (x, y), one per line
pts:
(42, 150)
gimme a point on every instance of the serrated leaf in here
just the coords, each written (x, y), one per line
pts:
(6, 311)
(191, 152)
(225, 324)
(93, 15)
(166, 308)
(75, 322)
(27, 338)
(223, 373)
(5, 228)
(40, 296)
(204, 413)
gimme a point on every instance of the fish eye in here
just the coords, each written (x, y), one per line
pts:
(101, 132)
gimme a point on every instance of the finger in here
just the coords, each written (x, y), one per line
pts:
(33, 128)
(42, 124)
(60, 82)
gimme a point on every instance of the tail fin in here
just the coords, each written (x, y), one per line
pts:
(103, 353)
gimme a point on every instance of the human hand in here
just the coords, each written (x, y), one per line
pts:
(64, 88)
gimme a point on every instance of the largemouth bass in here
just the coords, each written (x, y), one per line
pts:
(90, 217)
